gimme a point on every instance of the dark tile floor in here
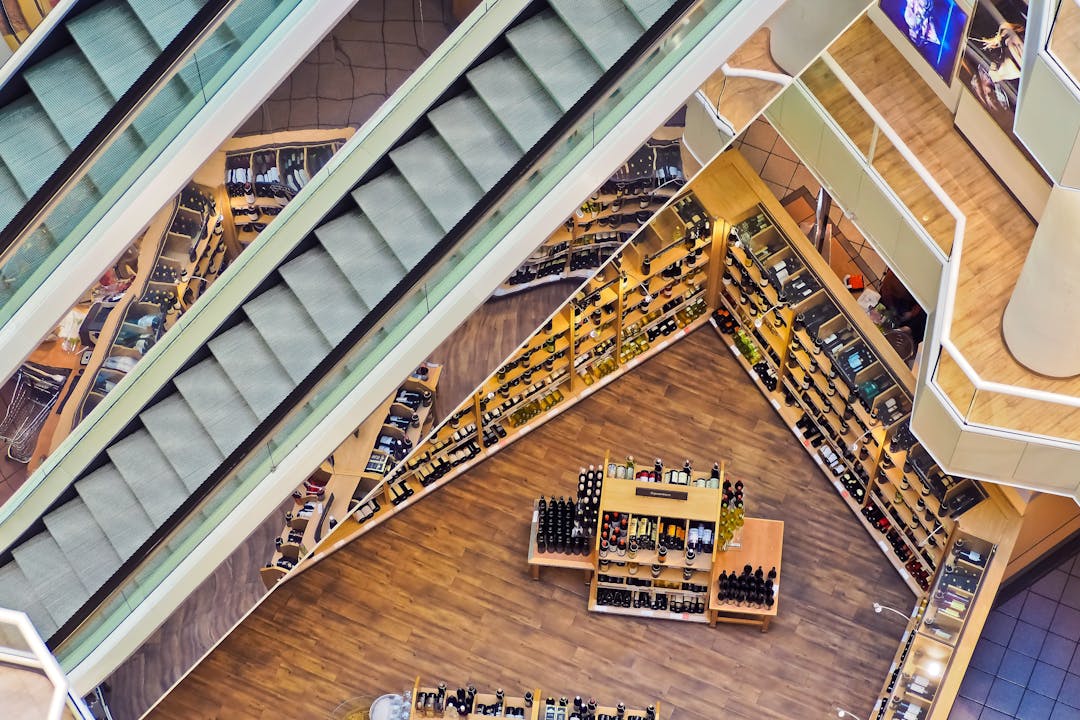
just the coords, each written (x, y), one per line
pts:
(1026, 665)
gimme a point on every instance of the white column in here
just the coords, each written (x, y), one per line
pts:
(1041, 324)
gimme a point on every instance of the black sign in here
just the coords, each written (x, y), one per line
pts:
(650, 491)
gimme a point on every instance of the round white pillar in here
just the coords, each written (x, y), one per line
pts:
(1041, 324)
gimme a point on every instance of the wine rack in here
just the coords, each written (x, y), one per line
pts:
(935, 630)
(189, 245)
(648, 295)
(603, 223)
(261, 181)
(468, 703)
(357, 466)
(830, 381)
(655, 542)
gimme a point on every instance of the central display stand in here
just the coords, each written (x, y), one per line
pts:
(659, 541)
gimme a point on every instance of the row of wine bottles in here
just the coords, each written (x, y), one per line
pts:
(645, 600)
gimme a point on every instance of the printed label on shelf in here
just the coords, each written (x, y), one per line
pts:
(536, 516)
(686, 616)
(648, 613)
(883, 546)
(774, 403)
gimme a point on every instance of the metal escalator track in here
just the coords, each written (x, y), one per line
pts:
(523, 95)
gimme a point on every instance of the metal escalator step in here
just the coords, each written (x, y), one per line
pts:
(17, 593)
(116, 509)
(182, 439)
(648, 12)
(219, 406)
(606, 27)
(325, 292)
(148, 473)
(400, 216)
(437, 177)
(164, 20)
(477, 137)
(84, 543)
(288, 329)
(555, 56)
(251, 366)
(362, 255)
(30, 145)
(70, 92)
(115, 42)
(515, 97)
(51, 575)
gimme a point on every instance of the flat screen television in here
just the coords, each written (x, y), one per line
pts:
(935, 28)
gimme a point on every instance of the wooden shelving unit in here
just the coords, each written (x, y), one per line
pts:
(357, 466)
(798, 333)
(762, 546)
(536, 707)
(665, 505)
(538, 560)
(278, 166)
(603, 223)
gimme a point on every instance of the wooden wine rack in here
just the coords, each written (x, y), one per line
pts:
(541, 707)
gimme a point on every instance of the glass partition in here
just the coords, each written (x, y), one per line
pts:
(379, 343)
(1064, 42)
(866, 134)
(26, 265)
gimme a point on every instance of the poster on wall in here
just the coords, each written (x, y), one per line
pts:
(935, 28)
(990, 68)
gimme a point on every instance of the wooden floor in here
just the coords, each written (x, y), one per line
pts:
(442, 589)
(998, 232)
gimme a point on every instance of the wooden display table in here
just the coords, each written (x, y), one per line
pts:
(762, 546)
(537, 560)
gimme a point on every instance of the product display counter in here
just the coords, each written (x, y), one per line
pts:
(550, 558)
(467, 703)
(762, 546)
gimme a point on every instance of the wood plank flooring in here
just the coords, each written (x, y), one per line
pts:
(442, 589)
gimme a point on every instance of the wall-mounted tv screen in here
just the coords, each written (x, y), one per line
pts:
(934, 27)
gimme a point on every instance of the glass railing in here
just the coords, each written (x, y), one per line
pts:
(839, 145)
(1064, 42)
(838, 135)
(410, 101)
(446, 268)
(864, 132)
(38, 252)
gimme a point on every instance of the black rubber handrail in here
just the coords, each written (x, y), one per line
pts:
(76, 165)
(260, 435)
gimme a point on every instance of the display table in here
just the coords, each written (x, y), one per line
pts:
(537, 560)
(762, 546)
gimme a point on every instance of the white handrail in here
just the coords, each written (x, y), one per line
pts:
(940, 333)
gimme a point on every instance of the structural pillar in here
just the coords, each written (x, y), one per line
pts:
(1041, 324)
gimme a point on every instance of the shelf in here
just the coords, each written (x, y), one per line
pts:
(784, 412)
(643, 612)
(762, 546)
(550, 559)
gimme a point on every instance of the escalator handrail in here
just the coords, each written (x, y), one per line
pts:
(259, 437)
(76, 165)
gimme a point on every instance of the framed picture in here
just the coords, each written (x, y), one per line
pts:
(993, 53)
(935, 28)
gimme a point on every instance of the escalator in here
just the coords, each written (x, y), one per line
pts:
(102, 64)
(451, 162)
